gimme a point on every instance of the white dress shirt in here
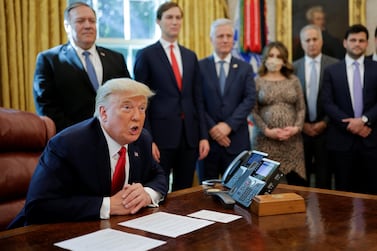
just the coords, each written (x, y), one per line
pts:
(114, 148)
(308, 71)
(94, 57)
(350, 68)
(166, 45)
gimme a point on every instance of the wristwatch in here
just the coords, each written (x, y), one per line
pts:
(364, 119)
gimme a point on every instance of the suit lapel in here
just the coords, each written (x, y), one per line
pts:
(301, 74)
(133, 158)
(214, 78)
(73, 58)
(232, 73)
(160, 51)
(105, 66)
(75, 61)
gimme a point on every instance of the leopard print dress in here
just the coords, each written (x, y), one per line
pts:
(280, 104)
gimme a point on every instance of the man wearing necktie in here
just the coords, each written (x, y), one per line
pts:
(176, 113)
(67, 76)
(350, 100)
(100, 167)
(309, 69)
(229, 97)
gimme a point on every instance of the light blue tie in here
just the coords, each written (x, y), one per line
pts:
(90, 70)
(357, 91)
(313, 91)
(222, 77)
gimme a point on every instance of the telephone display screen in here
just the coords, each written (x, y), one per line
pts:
(265, 170)
(255, 158)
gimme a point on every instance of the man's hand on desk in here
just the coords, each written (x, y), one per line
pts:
(129, 200)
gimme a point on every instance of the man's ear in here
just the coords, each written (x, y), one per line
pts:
(102, 113)
(67, 27)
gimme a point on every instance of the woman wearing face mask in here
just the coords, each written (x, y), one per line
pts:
(279, 113)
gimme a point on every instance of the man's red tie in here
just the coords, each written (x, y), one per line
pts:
(174, 64)
(119, 173)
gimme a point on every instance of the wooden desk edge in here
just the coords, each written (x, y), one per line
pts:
(21, 230)
(327, 191)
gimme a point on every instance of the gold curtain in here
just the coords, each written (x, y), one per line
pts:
(26, 28)
(197, 18)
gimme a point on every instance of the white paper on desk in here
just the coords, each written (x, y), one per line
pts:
(110, 240)
(215, 216)
(167, 224)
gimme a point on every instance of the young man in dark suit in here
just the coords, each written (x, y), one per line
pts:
(176, 113)
(316, 154)
(227, 106)
(63, 89)
(77, 173)
(350, 100)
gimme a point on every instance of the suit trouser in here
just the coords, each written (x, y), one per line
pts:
(356, 169)
(181, 161)
(317, 160)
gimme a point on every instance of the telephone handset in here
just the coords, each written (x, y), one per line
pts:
(245, 160)
(234, 166)
(248, 175)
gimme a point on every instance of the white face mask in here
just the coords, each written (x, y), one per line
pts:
(274, 64)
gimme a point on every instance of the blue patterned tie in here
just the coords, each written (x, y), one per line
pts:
(222, 76)
(90, 70)
(313, 91)
(357, 92)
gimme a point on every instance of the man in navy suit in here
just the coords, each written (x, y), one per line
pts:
(62, 89)
(73, 179)
(352, 129)
(316, 154)
(227, 107)
(176, 113)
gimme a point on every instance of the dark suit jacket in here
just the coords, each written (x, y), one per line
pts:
(169, 105)
(338, 105)
(73, 175)
(299, 67)
(62, 89)
(369, 56)
(236, 103)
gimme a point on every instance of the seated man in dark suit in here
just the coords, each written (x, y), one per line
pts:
(65, 80)
(77, 173)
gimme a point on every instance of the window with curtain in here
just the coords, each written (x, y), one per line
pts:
(125, 25)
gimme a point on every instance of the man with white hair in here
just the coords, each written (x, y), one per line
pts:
(229, 97)
(100, 167)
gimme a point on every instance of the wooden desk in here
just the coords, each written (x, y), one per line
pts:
(333, 221)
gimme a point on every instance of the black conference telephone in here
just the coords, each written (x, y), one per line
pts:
(249, 174)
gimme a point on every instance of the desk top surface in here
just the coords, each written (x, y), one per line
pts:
(332, 221)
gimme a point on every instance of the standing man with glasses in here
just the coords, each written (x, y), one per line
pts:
(67, 76)
(350, 100)
(176, 113)
(309, 69)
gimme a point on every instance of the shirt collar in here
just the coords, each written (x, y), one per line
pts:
(79, 50)
(166, 44)
(113, 146)
(226, 59)
(310, 59)
(349, 60)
